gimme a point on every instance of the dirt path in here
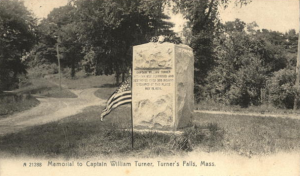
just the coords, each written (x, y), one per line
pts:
(49, 110)
(292, 116)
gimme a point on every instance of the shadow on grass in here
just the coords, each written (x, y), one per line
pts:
(42, 87)
(87, 82)
(84, 135)
(76, 136)
(105, 93)
(11, 103)
(107, 86)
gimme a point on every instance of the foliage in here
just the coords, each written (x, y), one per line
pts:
(239, 74)
(245, 59)
(210, 135)
(112, 27)
(17, 36)
(11, 103)
(204, 25)
(58, 29)
(169, 38)
(97, 36)
(282, 91)
(202, 19)
(233, 61)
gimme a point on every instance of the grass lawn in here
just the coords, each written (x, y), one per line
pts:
(83, 135)
(42, 87)
(87, 82)
(249, 135)
(106, 84)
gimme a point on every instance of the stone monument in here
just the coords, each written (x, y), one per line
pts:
(162, 86)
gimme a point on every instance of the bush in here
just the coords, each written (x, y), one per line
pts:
(210, 135)
(11, 103)
(237, 86)
(42, 70)
(52, 68)
(281, 88)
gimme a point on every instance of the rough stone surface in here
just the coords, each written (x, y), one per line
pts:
(162, 86)
(184, 85)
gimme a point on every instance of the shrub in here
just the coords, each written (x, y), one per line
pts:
(281, 88)
(42, 70)
(210, 135)
(11, 103)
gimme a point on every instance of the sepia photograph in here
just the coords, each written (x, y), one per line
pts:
(150, 87)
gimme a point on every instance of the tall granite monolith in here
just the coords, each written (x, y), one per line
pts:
(162, 86)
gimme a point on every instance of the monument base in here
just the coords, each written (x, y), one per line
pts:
(142, 131)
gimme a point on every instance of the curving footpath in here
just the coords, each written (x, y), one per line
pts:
(49, 110)
(291, 116)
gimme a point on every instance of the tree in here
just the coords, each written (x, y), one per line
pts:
(17, 36)
(203, 20)
(98, 35)
(244, 62)
(60, 28)
(281, 88)
(297, 87)
(111, 28)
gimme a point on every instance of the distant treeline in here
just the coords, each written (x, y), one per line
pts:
(235, 63)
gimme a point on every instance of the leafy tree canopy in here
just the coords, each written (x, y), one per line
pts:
(17, 36)
(98, 35)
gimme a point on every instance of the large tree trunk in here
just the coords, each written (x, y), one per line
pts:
(73, 69)
(58, 60)
(123, 76)
(297, 69)
(117, 78)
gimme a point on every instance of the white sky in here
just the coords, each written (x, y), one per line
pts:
(41, 8)
(277, 15)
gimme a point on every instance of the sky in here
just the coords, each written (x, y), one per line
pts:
(41, 8)
(276, 15)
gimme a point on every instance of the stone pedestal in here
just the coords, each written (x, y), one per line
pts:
(162, 86)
